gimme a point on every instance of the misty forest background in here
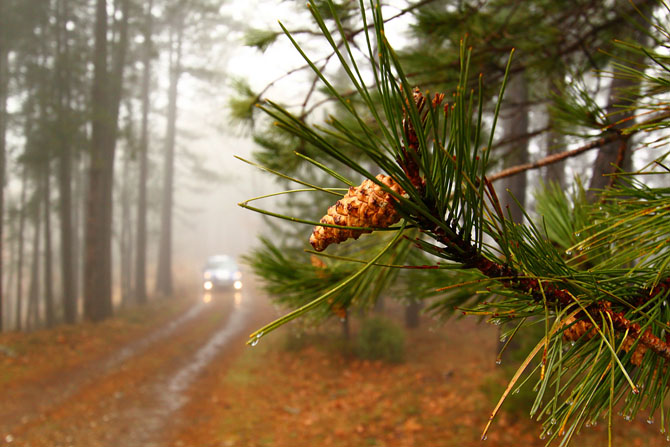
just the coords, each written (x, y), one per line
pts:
(89, 122)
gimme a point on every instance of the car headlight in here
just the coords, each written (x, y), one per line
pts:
(208, 285)
(237, 285)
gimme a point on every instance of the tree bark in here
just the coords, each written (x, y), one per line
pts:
(67, 261)
(616, 155)
(4, 81)
(412, 311)
(34, 290)
(516, 123)
(126, 237)
(48, 266)
(19, 264)
(106, 97)
(141, 245)
(164, 274)
(555, 172)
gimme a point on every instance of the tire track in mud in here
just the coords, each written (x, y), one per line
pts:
(23, 404)
(130, 398)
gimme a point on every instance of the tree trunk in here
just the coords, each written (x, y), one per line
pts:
(106, 97)
(19, 264)
(4, 81)
(34, 290)
(555, 172)
(126, 237)
(164, 275)
(516, 124)
(12, 265)
(412, 310)
(616, 155)
(67, 260)
(141, 246)
(48, 268)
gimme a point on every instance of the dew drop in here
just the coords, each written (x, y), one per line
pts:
(627, 418)
(650, 421)
(667, 438)
(516, 391)
(572, 343)
(255, 341)
(484, 437)
(9, 438)
(543, 436)
(587, 425)
(578, 234)
(498, 361)
(553, 421)
(568, 252)
(662, 430)
(636, 390)
(503, 339)
(549, 432)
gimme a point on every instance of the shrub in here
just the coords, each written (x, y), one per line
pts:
(379, 339)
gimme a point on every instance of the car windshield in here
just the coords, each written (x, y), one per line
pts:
(221, 263)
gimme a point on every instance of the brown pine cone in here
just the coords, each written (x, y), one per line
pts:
(579, 328)
(367, 205)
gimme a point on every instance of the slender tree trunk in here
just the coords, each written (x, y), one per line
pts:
(164, 276)
(78, 224)
(616, 155)
(125, 238)
(48, 267)
(555, 172)
(19, 264)
(34, 291)
(4, 81)
(106, 100)
(412, 311)
(141, 246)
(63, 86)
(12, 266)
(516, 124)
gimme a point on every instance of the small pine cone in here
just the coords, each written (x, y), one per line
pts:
(367, 205)
(579, 328)
(574, 332)
(638, 354)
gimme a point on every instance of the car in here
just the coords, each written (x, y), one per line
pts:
(221, 272)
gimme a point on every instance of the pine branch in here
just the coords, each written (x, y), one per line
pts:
(614, 135)
(554, 158)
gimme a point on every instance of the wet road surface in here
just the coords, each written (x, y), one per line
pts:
(132, 397)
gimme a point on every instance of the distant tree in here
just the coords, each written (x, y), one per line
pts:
(141, 232)
(4, 81)
(164, 284)
(106, 99)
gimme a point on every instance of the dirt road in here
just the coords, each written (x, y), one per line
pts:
(129, 397)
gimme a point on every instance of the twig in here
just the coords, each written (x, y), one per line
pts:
(614, 135)
(553, 158)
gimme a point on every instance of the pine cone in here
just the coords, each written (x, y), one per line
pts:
(579, 328)
(367, 205)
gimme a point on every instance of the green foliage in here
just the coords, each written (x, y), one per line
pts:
(242, 105)
(259, 38)
(380, 339)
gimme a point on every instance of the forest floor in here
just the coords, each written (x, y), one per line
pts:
(177, 374)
